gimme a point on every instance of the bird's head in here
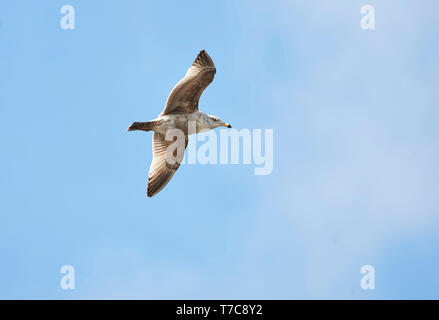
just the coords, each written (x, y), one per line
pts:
(217, 122)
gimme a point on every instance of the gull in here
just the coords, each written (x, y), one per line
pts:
(181, 111)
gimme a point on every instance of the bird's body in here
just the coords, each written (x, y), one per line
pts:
(180, 113)
(201, 122)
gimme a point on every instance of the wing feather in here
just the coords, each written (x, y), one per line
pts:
(186, 94)
(161, 170)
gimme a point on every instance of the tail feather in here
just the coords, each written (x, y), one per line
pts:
(145, 126)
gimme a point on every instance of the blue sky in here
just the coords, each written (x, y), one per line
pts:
(356, 158)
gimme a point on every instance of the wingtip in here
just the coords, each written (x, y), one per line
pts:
(150, 192)
(203, 54)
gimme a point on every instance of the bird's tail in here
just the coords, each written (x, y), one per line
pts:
(145, 126)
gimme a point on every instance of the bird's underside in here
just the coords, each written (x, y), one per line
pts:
(181, 104)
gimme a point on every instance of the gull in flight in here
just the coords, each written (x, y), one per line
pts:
(181, 114)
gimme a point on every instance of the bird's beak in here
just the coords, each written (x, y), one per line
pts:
(227, 125)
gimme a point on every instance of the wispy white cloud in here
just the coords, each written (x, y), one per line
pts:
(358, 153)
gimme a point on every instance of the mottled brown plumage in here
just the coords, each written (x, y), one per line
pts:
(181, 108)
(186, 94)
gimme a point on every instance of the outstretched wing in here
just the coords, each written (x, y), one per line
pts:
(165, 162)
(186, 94)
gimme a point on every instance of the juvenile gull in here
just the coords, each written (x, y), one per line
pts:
(180, 111)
